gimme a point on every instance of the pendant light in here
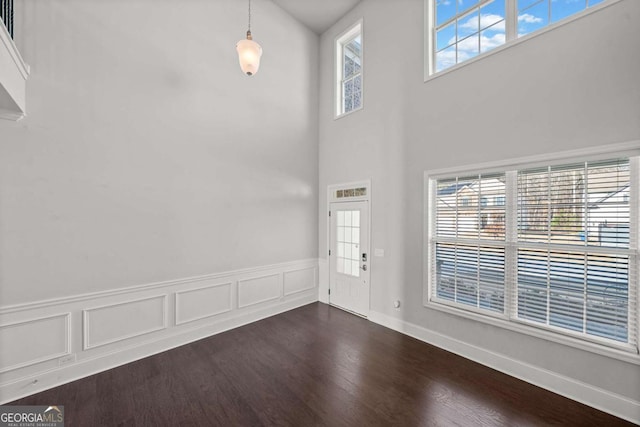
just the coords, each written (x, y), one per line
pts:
(249, 52)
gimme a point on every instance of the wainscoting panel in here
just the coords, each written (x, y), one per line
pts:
(299, 280)
(259, 289)
(200, 303)
(117, 322)
(33, 341)
(49, 343)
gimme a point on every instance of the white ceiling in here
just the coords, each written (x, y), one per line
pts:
(318, 15)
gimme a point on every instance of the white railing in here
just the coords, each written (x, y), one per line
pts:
(6, 14)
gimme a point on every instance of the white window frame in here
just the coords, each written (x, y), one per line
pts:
(340, 41)
(621, 352)
(511, 25)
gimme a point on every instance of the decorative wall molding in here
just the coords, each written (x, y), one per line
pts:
(123, 320)
(203, 302)
(300, 280)
(259, 289)
(49, 338)
(598, 398)
(156, 285)
(107, 329)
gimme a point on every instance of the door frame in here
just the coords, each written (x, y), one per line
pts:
(332, 191)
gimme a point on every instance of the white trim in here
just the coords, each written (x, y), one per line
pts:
(339, 41)
(427, 227)
(249, 279)
(86, 330)
(635, 169)
(35, 376)
(429, 54)
(355, 110)
(427, 28)
(67, 342)
(323, 280)
(149, 286)
(511, 21)
(598, 398)
(284, 280)
(179, 322)
(6, 39)
(102, 361)
(600, 152)
(17, 77)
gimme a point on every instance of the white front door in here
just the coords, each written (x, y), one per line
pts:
(349, 256)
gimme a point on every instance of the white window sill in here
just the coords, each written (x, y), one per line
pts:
(347, 114)
(603, 350)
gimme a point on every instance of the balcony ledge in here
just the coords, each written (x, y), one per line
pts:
(13, 79)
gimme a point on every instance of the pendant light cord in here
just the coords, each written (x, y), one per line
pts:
(249, 15)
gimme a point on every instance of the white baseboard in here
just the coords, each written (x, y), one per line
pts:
(603, 400)
(79, 336)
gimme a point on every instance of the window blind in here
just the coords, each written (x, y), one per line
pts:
(551, 247)
(469, 247)
(576, 269)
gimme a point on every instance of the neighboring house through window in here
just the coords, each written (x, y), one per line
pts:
(557, 250)
(459, 30)
(349, 70)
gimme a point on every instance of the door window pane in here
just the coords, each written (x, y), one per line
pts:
(348, 242)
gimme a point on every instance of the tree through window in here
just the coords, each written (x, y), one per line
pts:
(557, 248)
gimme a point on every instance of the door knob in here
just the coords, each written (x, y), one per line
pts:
(364, 267)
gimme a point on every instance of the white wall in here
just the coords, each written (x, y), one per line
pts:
(146, 155)
(153, 195)
(573, 87)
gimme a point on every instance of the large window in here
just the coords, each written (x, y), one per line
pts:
(349, 70)
(551, 247)
(460, 30)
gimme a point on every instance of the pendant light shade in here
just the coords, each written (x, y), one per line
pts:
(249, 52)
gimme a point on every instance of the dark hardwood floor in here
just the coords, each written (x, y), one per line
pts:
(315, 365)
